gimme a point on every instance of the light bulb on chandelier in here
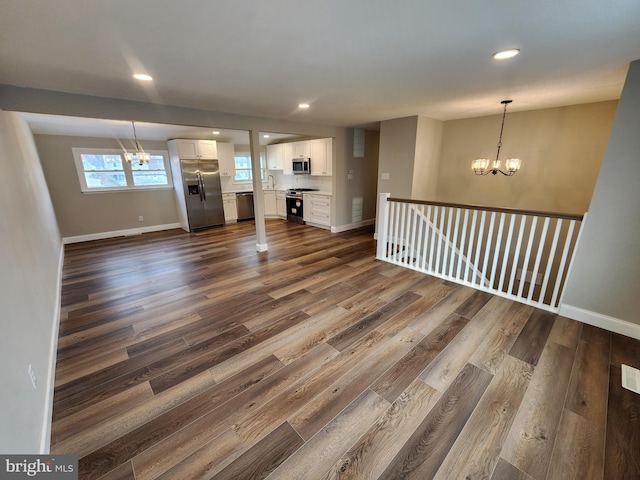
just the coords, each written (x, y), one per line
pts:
(140, 156)
(484, 166)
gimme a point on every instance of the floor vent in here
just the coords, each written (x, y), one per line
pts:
(631, 378)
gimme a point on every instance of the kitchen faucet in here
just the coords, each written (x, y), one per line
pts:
(272, 182)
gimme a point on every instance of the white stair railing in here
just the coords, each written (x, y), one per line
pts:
(517, 254)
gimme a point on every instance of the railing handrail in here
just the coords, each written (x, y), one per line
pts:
(515, 211)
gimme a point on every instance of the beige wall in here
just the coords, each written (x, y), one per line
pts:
(561, 150)
(605, 275)
(30, 259)
(363, 183)
(91, 213)
(397, 156)
(427, 158)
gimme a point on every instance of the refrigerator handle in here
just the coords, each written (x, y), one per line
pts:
(203, 195)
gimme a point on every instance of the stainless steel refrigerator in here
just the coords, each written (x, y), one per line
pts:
(202, 193)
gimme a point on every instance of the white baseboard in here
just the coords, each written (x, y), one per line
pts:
(353, 226)
(612, 324)
(119, 233)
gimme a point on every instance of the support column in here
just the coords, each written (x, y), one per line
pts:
(258, 196)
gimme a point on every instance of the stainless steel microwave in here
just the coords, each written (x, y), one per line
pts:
(301, 166)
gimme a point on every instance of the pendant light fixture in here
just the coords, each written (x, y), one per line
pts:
(141, 156)
(484, 166)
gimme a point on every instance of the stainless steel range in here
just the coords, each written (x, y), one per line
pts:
(295, 212)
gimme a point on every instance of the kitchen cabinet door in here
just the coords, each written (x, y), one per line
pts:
(287, 156)
(270, 208)
(230, 207)
(226, 160)
(197, 149)
(322, 157)
(317, 210)
(275, 159)
(281, 204)
(301, 149)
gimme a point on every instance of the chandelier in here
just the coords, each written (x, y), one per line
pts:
(484, 166)
(140, 156)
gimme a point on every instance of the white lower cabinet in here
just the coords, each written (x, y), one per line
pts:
(270, 209)
(317, 209)
(281, 204)
(230, 207)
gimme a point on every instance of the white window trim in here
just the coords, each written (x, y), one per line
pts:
(77, 152)
(263, 168)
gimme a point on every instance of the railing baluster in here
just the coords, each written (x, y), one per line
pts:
(467, 268)
(563, 261)
(420, 227)
(434, 234)
(541, 243)
(454, 242)
(446, 242)
(462, 243)
(438, 265)
(477, 280)
(507, 246)
(552, 253)
(527, 255)
(425, 247)
(487, 251)
(516, 255)
(496, 251)
(414, 225)
(392, 225)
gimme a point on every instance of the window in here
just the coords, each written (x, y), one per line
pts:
(106, 170)
(243, 167)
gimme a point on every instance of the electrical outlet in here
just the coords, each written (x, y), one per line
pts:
(141, 218)
(32, 376)
(631, 378)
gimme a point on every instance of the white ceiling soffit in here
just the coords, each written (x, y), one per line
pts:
(93, 127)
(355, 62)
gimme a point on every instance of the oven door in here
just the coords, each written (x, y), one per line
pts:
(294, 209)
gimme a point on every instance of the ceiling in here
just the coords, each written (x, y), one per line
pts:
(355, 62)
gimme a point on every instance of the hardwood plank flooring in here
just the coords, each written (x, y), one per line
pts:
(192, 356)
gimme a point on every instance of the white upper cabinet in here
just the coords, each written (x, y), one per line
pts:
(226, 159)
(301, 149)
(321, 157)
(275, 156)
(287, 156)
(197, 149)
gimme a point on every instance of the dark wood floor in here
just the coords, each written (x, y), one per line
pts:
(187, 356)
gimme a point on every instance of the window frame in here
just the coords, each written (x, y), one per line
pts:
(263, 167)
(126, 169)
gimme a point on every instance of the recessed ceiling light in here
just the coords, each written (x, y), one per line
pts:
(502, 54)
(266, 136)
(143, 77)
(303, 105)
(216, 132)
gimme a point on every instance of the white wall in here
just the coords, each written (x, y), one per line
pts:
(30, 256)
(604, 283)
